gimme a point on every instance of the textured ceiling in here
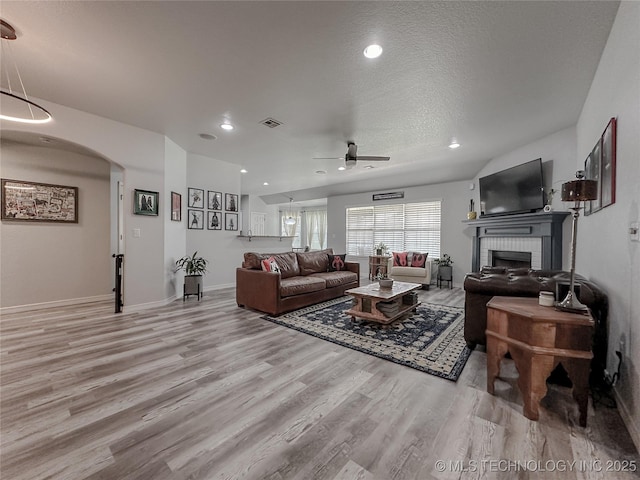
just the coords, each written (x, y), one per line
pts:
(495, 75)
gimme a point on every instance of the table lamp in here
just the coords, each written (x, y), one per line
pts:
(576, 191)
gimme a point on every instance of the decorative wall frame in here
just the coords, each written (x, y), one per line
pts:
(608, 165)
(214, 220)
(231, 202)
(214, 200)
(196, 219)
(231, 221)
(176, 207)
(195, 198)
(38, 202)
(600, 165)
(145, 202)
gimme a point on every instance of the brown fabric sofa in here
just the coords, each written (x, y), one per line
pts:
(499, 281)
(304, 280)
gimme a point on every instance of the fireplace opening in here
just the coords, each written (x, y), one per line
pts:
(505, 258)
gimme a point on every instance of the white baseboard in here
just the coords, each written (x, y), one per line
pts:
(55, 303)
(631, 425)
(167, 301)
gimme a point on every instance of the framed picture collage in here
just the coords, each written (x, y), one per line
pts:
(212, 215)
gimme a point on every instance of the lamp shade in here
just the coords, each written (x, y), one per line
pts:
(579, 190)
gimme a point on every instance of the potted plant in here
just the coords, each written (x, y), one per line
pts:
(380, 249)
(384, 281)
(445, 270)
(194, 267)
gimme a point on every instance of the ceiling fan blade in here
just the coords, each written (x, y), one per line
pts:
(327, 158)
(365, 158)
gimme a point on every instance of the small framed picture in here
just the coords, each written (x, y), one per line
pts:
(176, 207)
(231, 221)
(214, 220)
(145, 202)
(196, 219)
(587, 173)
(592, 172)
(231, 202)
(608, 165)
(196, 198)
(214, 200)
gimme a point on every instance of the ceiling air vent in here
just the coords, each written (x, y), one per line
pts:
(271, 122)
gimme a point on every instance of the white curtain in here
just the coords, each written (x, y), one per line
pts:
(322, 228)
(309, 220)
(315, 231)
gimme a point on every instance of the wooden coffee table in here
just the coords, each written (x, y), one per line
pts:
(369, 296)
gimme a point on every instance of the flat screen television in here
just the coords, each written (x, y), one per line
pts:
(517, 189)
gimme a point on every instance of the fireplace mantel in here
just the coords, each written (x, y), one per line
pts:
(544, 225)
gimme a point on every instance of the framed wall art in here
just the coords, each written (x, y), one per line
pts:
(593, 173)
(231, 221)
(196, 198)
(608, 165)
(176, 207)
(38, 202)
(600, 165)
(196, 219)
(214, 200)
(214, 220)
(231, 202)
(145, 202)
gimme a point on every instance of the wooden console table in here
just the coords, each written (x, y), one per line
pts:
(538, 339)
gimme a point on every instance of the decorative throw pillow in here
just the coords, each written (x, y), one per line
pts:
(399, 259)
(270, 265)
(336, 263)
(419, 259)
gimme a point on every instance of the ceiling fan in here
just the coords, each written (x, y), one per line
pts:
(351, 157)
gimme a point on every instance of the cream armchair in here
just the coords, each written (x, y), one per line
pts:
(411, 274)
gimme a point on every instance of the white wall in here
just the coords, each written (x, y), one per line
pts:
(175, 233)
(47, 262)
(558, 153)
(605, 251)
(141, 155)
(455, 237)
(222, 248)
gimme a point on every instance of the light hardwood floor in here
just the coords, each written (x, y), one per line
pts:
(206, 390)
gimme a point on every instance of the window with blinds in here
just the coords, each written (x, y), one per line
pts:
(413, 227)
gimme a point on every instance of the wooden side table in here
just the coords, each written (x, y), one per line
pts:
(538, 339)
(378, 264)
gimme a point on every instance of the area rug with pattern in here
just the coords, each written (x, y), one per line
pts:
(430, 340)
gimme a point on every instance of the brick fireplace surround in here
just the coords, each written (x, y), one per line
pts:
(537, 233)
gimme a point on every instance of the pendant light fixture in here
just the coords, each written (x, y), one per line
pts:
(15, 105)
(290, 220)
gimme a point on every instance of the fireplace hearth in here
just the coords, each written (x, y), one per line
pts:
(539, 234)
(505, 258)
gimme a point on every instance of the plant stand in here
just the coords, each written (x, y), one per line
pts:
(192, 286)
(445, 274)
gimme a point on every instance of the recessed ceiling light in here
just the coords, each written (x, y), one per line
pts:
(244, 170)
(265, 184)
(341, 168)
(373, 51)
(369, 167)
(207, 136)
(226, 126)
(321, 172)
(454, 145)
